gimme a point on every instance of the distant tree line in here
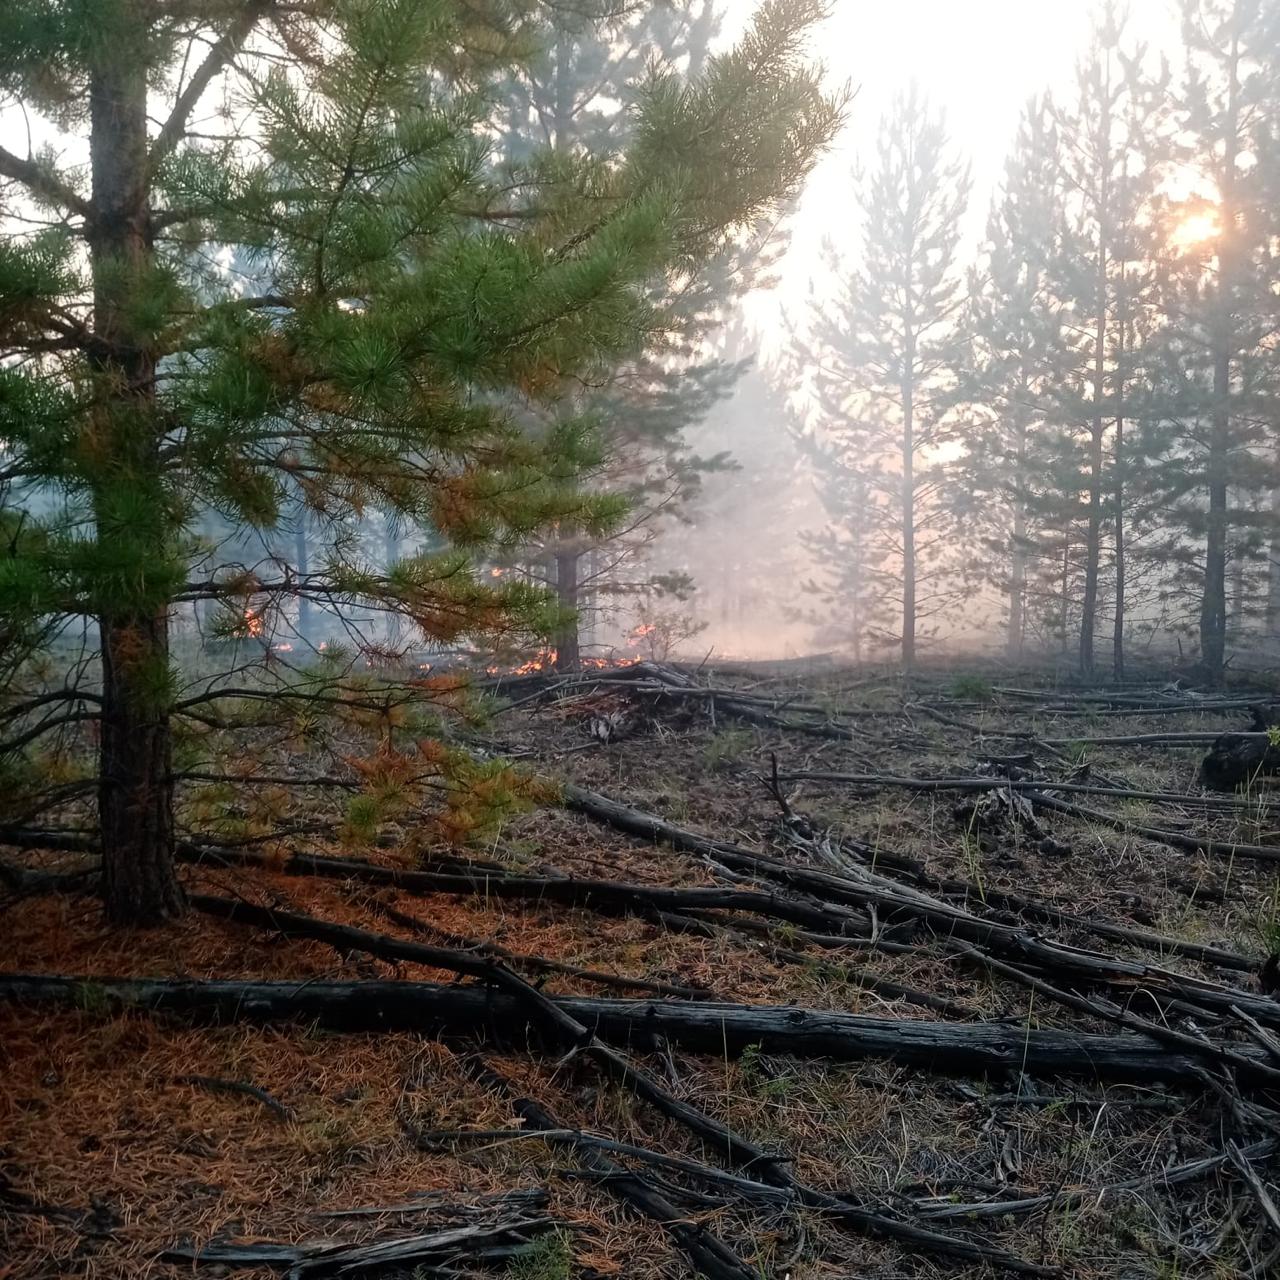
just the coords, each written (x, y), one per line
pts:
(1082, 427)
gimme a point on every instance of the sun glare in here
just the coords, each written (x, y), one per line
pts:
(1196, 230)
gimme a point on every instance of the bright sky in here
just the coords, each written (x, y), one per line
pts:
(977, 59)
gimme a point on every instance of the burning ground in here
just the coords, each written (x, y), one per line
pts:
(1041, 1033)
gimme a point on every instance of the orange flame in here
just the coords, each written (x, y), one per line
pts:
(254, 627)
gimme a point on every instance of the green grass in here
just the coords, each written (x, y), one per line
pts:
(547, 1258)
(972, 688)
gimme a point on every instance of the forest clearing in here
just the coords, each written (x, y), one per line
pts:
(715, 1010)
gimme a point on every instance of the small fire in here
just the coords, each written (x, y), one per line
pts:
(282, 648)
(639, 632)
(254, 626)
(496, 573)
(545, 660)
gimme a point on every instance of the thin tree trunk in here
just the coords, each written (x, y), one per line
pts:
(1093, 550)
(1213, 605)
(568, 647)
(1273, 563)
(1018, 550)
(135, 791)
(909, 508)
(1097, 433)
(302, 554)
(568, 643)
(1117, 638)
(1119, 465)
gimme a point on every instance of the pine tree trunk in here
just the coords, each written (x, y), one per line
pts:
(908, 514)
(302, 555)
(1273, 564)
(1117, 639)
(1093, 530)
(391, 554)
(1092, 552)
(568, 647)
(1018, 550)
(135, 789)
(1118, 492)
(568, 644)
(1213, 604)
(135, 792)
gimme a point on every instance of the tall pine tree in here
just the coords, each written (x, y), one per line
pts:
(404, 291)
(1009, 390)
(882, 354)
(1111, 160)
(1211, 422)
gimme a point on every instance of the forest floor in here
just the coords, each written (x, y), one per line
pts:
(1023, 917)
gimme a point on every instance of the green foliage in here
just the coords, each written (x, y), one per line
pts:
(765, 1083)
(362, 817)
(351, 306)
(550, 1257)
(971, 688)
(882, 357)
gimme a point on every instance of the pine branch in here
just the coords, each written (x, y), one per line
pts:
(43, 183)
(220, 54)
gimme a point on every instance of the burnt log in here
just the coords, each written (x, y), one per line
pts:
(478, 1012)
(1237, 760)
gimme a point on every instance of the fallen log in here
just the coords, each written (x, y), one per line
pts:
(1174, 839)
(1073, 1197)
(892, 901)
(970, 892)
(614, 897)
(977, 785)
(552, 1018)
(717, 1029)
(541, 964)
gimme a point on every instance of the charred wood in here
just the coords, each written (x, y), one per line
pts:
(966, 1049)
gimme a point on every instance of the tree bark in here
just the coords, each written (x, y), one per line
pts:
(568, 646)
(716, 1029)
(1273, 562)
(1118, 492)
(1097, 431)
(135, 792)
(1213, 604)
(909, 508)
(1015, 635)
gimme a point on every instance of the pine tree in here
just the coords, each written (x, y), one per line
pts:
(1020, 356)
(1211, 424)
(882, 355)
(575, 97)
(1111, 158)
(404, 291)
